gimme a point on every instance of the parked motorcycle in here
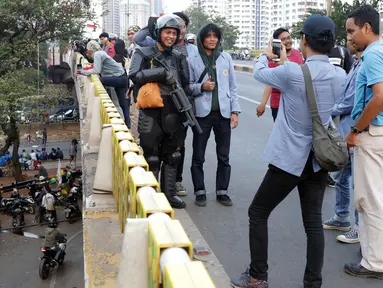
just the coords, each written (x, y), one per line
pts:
(6, 204)
(72, 210)
(28, 204)
(46, 260)
(17, 215)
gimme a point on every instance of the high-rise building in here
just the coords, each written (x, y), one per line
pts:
(157, 6)
(218, 6)
(111, 16)
(133, 12)
(285, 13)
(243, 14)
(257, 19)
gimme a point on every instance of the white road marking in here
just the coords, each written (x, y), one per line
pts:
(251, 100)
(53, 279)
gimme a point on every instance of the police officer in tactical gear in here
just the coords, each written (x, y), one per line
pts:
(161, 130)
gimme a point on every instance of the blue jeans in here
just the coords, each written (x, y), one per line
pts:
(343, 184)
(120, 84)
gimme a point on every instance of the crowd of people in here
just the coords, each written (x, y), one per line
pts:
(343, 86)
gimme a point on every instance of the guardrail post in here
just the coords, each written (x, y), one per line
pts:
(95, 127)
(163, 235)
(104, 176)
(153, 203)
(134, 255)
(138, 179)
(91, 99)
(194, 273)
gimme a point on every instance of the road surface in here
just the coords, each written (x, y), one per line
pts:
(244, 62)
(226, 228)
(19, 263)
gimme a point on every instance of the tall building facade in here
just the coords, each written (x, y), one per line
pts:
(285, 13)
(157, 6)
(111, 16)
(243, 14)
(257, 19)
(133, 12)
(219, 6)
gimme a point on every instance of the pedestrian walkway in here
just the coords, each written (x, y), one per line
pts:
(56, 132)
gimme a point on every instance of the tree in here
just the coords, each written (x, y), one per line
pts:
(18, 91)
(24, 26)
(339, 14)
(198, 19)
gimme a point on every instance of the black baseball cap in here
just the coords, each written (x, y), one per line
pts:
(318, 26)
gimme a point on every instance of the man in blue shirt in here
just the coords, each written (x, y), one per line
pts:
(367, 138)
(289, 150)
(341, 219)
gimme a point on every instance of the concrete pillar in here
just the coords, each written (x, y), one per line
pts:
(103, 178)
(91, 96)
(95, 127)
(134, 255)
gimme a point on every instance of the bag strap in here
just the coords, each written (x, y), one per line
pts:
(341, 51)
(310, 90)
(202, 75)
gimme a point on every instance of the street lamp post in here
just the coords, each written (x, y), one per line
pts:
(329, 7)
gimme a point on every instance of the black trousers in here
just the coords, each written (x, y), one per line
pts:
(180, 167)
(276, 185)
(274, 113)
(120, 84)
(222, 132)
(161, 137)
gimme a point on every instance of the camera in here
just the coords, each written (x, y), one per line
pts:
(277, 49)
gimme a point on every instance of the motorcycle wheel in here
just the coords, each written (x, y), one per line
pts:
(31, 209)
(61, 258)
(70, 221)
(44, 268)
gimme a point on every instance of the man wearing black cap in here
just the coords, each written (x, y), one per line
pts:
(289, 150)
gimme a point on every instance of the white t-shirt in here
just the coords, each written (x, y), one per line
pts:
(49, 202)
(33, 156)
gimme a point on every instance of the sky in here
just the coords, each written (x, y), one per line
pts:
(176, 5)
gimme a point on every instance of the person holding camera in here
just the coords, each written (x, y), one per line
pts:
(293, 55)
(112, 74)
(154, 70)
(289, 149)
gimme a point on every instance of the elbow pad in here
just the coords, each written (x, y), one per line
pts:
(150, 75)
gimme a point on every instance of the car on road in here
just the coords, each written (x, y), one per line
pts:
(65, 115)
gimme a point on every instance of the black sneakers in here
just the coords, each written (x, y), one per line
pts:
(224, 200)
(358, 270)
(200, 200)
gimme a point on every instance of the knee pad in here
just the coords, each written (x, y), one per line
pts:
(145, 124)
(171, 123)
(173, 159)
(153, 161)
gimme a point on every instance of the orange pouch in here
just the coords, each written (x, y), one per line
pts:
(149, 96)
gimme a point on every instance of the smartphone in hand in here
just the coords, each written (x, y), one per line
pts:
(277, 45)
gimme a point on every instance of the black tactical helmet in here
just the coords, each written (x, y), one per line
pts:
(167, 21)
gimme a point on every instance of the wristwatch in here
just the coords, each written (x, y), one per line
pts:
(355, 130)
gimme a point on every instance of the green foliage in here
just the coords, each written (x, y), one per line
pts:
(198, 19)
(20, 89)
(339, 14)
(24, 24)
